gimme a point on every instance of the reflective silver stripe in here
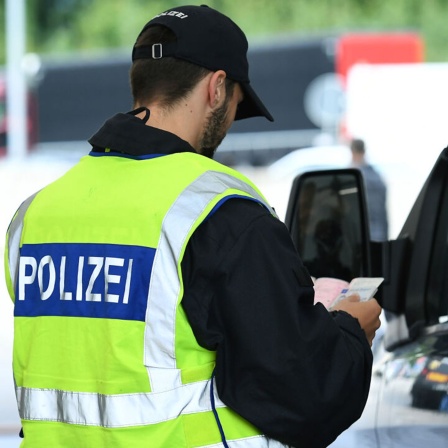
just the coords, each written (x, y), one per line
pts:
(14, 237)
(114, 411)
(165, 284)
(249, 442)
(117, 411)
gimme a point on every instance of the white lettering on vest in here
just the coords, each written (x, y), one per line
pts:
(128, 282)
(108, 269)
(98, 263)
(109, 278)
(79, 287)
(23, 278)
(47, 260)
(64, 295)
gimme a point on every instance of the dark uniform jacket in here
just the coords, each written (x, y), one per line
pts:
(297, 372)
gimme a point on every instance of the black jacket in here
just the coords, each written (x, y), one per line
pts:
(297, 372)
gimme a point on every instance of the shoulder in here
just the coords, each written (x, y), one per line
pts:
(233, 218)
(237, 223)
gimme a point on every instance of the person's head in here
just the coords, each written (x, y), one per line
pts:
(186, 46)
(165, 80)
(358, 149)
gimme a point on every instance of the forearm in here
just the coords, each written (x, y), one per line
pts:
(297, 372)
(305, 393)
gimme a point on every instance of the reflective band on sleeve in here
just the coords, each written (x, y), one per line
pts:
(114, 411)
(14, 237)
(250, 442)
(165, 284)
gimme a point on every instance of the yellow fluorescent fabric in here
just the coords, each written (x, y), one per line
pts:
(126, 376)
(107, 366)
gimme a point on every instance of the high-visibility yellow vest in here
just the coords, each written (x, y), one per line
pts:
(103, 353)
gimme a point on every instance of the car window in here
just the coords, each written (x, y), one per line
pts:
(327, 229)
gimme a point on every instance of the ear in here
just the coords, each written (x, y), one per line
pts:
(217, 88)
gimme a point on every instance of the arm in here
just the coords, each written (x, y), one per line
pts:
(367, 313)
(297, 372)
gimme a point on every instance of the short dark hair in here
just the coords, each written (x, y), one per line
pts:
(357, 145)
(167, 79)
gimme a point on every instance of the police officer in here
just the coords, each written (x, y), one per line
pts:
(159, 301)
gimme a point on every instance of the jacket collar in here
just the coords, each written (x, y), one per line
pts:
(128, 134)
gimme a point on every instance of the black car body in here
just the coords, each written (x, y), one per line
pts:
(408, 401)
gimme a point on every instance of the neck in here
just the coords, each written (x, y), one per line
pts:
(178, 121)
(358, 159)
(184, 118)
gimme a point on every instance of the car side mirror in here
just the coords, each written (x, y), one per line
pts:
(327, 220)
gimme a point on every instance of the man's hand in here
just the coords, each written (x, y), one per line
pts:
(367, 313)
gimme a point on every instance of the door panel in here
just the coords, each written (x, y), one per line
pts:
(412, 410)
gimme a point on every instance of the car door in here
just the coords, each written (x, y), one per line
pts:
(413, 393)
(408, 401)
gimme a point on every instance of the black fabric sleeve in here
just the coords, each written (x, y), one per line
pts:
(294, 370)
